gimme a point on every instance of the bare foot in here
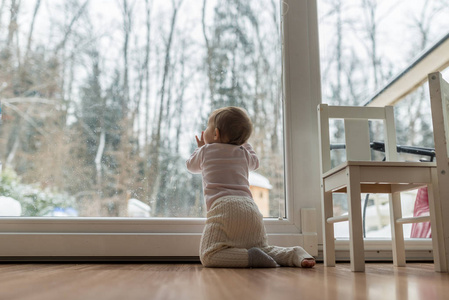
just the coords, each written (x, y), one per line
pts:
(308, 263)
(303, 259)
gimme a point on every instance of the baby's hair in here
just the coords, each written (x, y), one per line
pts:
(234, 124)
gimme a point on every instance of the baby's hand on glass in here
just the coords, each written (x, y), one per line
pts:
(200, 142)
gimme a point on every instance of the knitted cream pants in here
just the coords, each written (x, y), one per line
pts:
(234, 225)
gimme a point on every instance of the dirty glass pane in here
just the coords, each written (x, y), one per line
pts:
(101, 102)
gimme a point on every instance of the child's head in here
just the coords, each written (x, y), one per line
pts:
(229, 125)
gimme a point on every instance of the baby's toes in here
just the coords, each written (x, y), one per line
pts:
(308, 263)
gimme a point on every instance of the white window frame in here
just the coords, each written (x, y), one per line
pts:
(71, 238)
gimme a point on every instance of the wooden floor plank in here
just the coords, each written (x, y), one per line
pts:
(192, 281)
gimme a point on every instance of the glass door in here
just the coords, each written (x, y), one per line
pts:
(101, 102)
(364, 45)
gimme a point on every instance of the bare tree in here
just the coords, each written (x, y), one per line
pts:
(156, 138)
(2, 6)
(371, 23)
(143, 83)
(13, 26)
(418, 127)
(147, 70)
(127, 26)
(69, 28)
(209, 50)
(30, 33)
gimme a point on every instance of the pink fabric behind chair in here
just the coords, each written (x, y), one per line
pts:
(421, 230)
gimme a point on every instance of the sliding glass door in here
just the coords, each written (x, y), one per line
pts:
(101, 102)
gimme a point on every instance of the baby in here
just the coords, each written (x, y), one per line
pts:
(234, 235)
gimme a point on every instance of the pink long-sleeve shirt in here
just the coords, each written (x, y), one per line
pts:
(224, 168)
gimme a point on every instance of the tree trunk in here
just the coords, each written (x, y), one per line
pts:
(12, 28)
(13, 151)
(98, 157)
(147, 189)
(2, 6)
(30, 34)
(126, 29)
(156, 141)
(209, 53)
(370, 8)
(147, 73)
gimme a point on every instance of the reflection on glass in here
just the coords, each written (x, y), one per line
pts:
(102, 100)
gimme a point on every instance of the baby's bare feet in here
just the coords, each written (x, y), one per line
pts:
(303, 259)
(308, 263)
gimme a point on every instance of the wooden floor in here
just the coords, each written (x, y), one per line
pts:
(192, 281)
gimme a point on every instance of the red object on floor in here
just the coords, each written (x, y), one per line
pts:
(421, 230)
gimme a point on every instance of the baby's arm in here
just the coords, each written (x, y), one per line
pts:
(194, 163)
(253, 161)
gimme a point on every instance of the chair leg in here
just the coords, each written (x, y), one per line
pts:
(356, 246)
(397, 233)
(328, 230)
(436, 225)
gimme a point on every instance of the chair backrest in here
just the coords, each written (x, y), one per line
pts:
(439, 102)
(356, 126)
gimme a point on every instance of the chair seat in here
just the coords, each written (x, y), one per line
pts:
(382, 164)
(380, 177)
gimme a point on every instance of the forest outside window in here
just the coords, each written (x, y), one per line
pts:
(102, 100)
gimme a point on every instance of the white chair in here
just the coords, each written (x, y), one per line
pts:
(439, 101)
(361, 175)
